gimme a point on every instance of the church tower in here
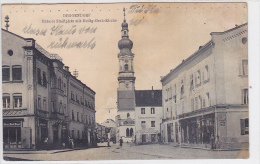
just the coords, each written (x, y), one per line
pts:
(126, 86)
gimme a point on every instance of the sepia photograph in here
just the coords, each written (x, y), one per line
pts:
(125, 81)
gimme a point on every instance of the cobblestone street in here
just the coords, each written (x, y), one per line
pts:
(154, 151)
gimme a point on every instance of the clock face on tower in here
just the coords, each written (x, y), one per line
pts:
(126, 85)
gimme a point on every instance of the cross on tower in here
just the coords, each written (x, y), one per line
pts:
(6, 21)
(124, 14)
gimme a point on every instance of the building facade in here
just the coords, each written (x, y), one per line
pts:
(41, 98)
(205, 98)
(148, 116)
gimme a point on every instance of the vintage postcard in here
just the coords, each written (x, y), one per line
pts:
(125, 81)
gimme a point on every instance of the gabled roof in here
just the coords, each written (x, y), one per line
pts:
(148, 97)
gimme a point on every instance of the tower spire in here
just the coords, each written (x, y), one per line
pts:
(6, 21)
(124, 14)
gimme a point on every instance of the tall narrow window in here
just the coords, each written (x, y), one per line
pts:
(6, 100)
(77, 116)
(60, 107)
(191, 83)
(152, 110)
(44, 79)
(65, 89)
(131, 132)
(127, 132)
(52, 82)
(208, 99)
(59, 83)
(197, 79)
(39, 76)
(182, 86)
(53, 106)
(192, 104)
(245, 96)
(86, 119)
(6, 73)
(126, 67)
(39, 102)
(245, 67)
(142, 110)
(89, 120)
(44, 104)
(17, 72)
(196, 103)
(72, 115)
(17, 99)
(206, 74)
(244, 124)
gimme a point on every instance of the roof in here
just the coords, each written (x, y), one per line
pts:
(148, 97)
(198, 52)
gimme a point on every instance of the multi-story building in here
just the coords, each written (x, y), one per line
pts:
(148, 116)
(101, 132)
(205, 98)
(41, 98)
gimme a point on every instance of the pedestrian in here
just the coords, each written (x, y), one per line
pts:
(212, 141)
(121, 142)
(108, 142)
(46, 143)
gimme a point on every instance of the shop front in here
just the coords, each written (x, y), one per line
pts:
(14, 135)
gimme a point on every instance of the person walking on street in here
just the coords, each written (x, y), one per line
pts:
(108, 142)
(121, 142)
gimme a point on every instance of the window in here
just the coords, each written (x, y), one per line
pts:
(44, 104)
(60, 107)
(6, 100)
(196, 103)
(208, 99)
(17, 72)
(59, 83)
(86, 119)
(10, 52)
(200, 102)
(197, 79)
(65, 89)
(39, 102)
(39, 76)
(127, 132)
(131, 132)
(191, 83)
(245, 96)
(152, 123)
(206, 73)
(93, 121)
(72, 115)
(52, 82)
(152, 110)
(53, 106)
(44, 79)
(182, 87)
(17, 100)
(244, 124)
(6, 73)
(77, 116)
(143, 124)
(142, 110)
(126, 67)
(64, 109)
(245, 67)
(192, 104)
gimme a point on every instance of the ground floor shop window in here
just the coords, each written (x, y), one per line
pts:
(12, 137)
(244, 123)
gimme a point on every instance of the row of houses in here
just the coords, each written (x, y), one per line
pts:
(42, 100)
(203, 101)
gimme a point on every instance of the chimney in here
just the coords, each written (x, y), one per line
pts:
(67, 68)
(76, 73)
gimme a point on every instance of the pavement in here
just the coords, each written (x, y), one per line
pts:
(115, 152)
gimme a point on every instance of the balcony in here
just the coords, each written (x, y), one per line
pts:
(58, 116)
(14, 112)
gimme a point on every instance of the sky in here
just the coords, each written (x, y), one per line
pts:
(163, 35)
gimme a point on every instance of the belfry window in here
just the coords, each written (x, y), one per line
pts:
(126, 67)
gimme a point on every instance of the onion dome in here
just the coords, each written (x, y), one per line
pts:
(125, 43)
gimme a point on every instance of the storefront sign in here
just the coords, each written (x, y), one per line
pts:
(43, 125)
(15, 124)
(64, 127)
